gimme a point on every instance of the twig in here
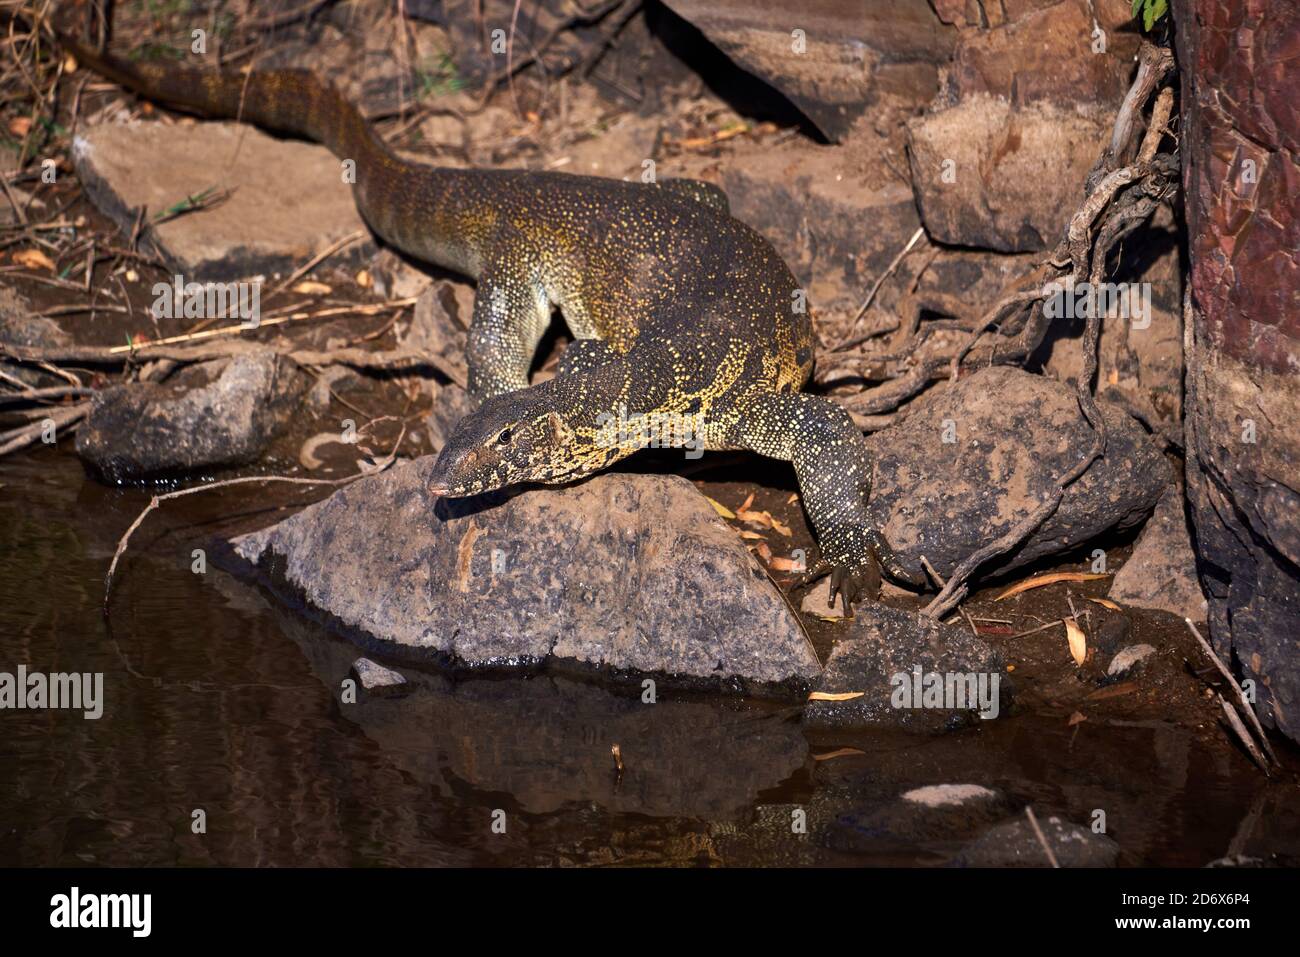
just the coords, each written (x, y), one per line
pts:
(1240, 729)
(157, 500)
(875, 288)
(1042, 838)
(1241, 695)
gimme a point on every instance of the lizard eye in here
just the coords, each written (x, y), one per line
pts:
(504, 437)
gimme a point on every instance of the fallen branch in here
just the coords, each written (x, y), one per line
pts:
(157, 500)
(1241, 695)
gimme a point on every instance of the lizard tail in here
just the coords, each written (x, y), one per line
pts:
(285, 101)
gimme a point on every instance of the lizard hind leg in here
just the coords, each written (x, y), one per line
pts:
(833, 466)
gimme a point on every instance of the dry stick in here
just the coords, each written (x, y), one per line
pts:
(289, 479)
(875, 288)
(1042, 838)
(316, 260)
(21, 438)
(1241, 695)
(53, 392)
(1240, 729)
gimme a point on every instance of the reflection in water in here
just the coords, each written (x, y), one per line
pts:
(219, 699)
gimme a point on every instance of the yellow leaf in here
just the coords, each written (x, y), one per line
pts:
(1078, 642)
(832, 696)
(839, 753)
(720, 508)
(1050, 579)
(309, 287)
(1106, 603)
(33, 259)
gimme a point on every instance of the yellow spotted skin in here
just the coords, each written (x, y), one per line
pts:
(681, 312)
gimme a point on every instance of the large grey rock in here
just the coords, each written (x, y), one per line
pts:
(634, 573)
(1240, 139)
(1014, 435)
(1014, 844)
(849, 53)
(885, 658)
(990, 174)
(1161, 572)
(218, 414)
(18, 327)
(289, 200)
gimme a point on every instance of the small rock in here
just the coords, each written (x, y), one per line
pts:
(817, 601)
(945, 795)
(397, 277)
(1161, 572)
(375, 677)
(288, 201)
(907, 670)
(1013, 436)
(1014, 844)
(218, 414)
(971, 163)
(1130, 656)
(631, 572)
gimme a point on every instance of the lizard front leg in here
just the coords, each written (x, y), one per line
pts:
(511, 312)
(833, 466)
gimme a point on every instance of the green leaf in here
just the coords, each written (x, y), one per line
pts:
(1137, 5)
(1148, 19)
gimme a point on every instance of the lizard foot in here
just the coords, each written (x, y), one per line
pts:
(855, 582)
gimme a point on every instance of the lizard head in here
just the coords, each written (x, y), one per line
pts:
(516, 437)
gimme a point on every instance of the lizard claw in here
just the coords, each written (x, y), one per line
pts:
(853, 582)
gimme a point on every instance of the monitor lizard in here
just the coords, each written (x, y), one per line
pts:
(683, 316)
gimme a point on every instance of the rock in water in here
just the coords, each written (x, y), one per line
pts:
(969, 463)
(1014, 844)
(635, 573)
(899, 668)
(1161, 572)
(145, 430)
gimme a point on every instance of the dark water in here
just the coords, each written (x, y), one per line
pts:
(217, 699)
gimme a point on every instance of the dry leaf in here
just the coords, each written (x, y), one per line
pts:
(720, 508)
(786, 565)
(833, 696)
(1113, 691)
(748, 502)
(1078, 641)
(310, 287)
(764, 552)
(364, 280)
(1050, 579)
(750, 536)
(840, 753)
(69, 64)
(777, 524)
(794, 497)
(1076, 718)
(33, 259)
(20, 125)
(757, 518)
(1106, 603)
